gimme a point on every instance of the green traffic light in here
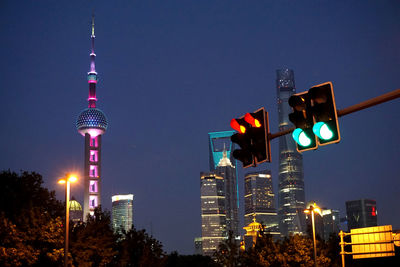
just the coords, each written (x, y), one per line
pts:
(301, 138)
(322, 130)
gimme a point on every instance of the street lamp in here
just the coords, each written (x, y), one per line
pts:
(312, 209)
(70, 178)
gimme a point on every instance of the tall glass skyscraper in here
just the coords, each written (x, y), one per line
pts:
(224, 164)
(226, 169)
(291, 182)
(259, 200)
(213, 214)
(122, 212)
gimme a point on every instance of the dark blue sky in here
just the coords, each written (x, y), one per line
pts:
(172, 71)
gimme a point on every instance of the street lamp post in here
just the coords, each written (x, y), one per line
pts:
(312, 209)
(67, 181)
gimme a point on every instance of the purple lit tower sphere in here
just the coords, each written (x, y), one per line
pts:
(92, 123)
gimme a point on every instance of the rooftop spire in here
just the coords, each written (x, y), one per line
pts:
(92, 75)
(224, 160)
(92, 25)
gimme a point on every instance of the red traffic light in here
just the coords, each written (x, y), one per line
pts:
(252, 121)
(237, 126)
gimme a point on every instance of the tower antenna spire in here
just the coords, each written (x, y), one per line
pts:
(92, 75)
(92, 23)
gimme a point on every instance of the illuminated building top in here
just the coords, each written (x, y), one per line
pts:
(225, 161)
(92, 120)
(218, 143)
(74, 205)
(122, 197)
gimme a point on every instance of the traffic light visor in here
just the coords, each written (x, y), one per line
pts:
(322, 130)
(297, 102)
(236, 126)
(301, 137)
(251, 120)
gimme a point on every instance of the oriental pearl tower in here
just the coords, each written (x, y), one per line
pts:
(92, 124)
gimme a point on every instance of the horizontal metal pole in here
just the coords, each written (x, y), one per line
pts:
(372, 252)
(378, 232)
(369, 243)
(284, 132)
(369, 103)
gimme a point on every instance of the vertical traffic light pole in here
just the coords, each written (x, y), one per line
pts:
(357, 107)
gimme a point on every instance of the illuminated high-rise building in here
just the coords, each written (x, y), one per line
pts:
(291, 197)
(122, 212)
(361, 213)
(92, 123)
(331, 220)
(259, 202)
(213, 214)
(224, 164)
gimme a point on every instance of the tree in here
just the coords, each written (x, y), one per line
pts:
(227, 253)
(265, 252)
(20, 193)
(13, 250)
(93, 243)
(31, 229)
(137, 248)
(298, 251)
(176, 260)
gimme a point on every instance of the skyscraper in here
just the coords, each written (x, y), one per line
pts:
(213, 214)
(92, 123)
(291, 182)
(259, 200)
(361, 213)
(223, 164)
(331, 222)
(122, 212)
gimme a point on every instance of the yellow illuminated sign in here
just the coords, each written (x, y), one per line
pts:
(371, 242)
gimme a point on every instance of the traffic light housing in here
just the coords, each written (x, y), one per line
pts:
(315, 117)
(326, 126)
(302, 118)
(243, 139)
(259, 122)
(252, 137)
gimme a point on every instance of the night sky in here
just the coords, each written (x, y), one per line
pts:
(172, 71)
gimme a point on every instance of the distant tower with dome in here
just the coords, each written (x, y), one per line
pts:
(92, 124)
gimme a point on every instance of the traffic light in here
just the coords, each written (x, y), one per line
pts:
(302, 118)
(259, 134)
(243, 139)
(252, 137)
(326, 126)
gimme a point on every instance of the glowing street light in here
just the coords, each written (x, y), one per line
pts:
(312, 209)
(70, 178)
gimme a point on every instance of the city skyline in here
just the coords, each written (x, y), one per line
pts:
(199, 65)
